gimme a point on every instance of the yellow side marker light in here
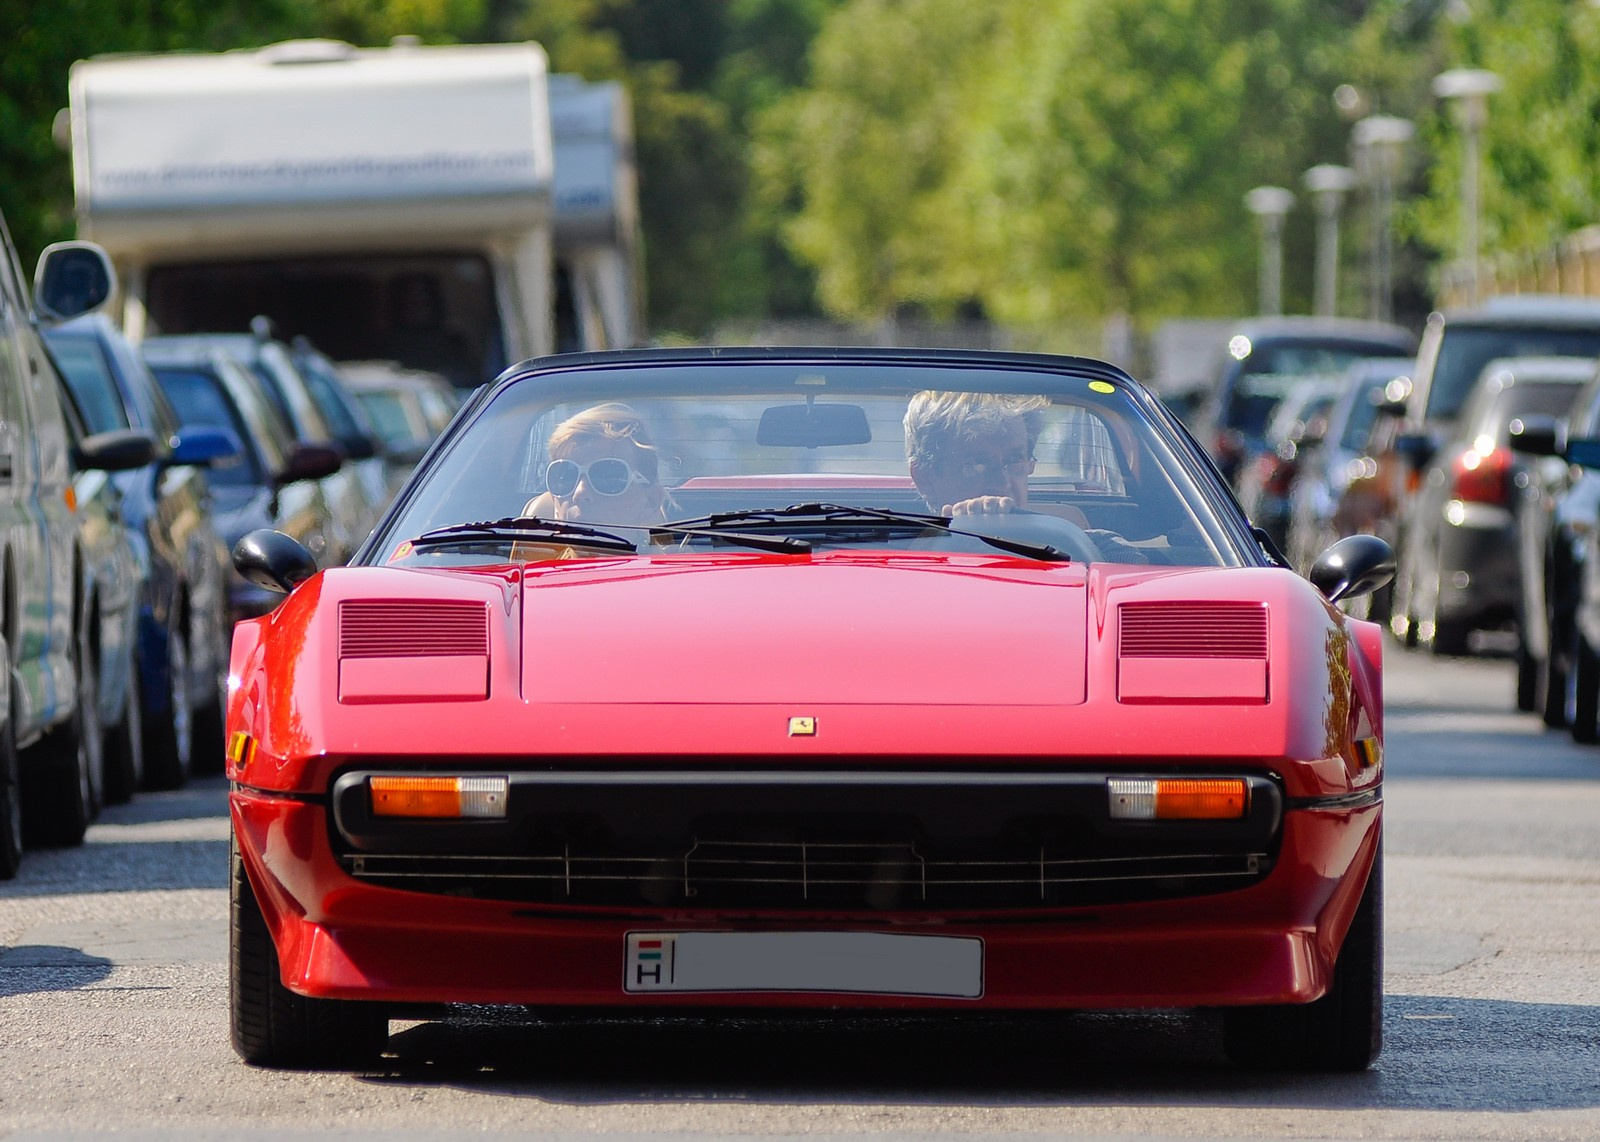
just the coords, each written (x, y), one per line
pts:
(241, 748)
(1369, 752)
(438, 796)
(1178, 798)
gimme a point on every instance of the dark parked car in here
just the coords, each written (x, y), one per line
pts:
(1455, 348)
(281, 383)
(1461, 567)
(275, 482)
(1265, 358)
(409, 408)
(366, 453)
(49, 736)
(184, 628)
(1331, 460)
(1267, 482)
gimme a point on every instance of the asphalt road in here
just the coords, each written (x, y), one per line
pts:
(113, 999)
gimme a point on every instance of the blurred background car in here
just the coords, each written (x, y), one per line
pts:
(408, 407)
(276, 481)
(1264, 359)
(1462, 565)
(365, 451)
(1267, 482)
(184, 629)
(1557, 543)
(112, 588)
(272, 366)
(1456, 345)
(1329, 462)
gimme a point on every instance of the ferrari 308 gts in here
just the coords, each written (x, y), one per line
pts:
(873, 680)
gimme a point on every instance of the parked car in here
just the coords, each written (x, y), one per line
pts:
(1455, 348)
(184, 627)
(1265, 358)
(49, 735)
(1267, 483)
(409, 408)
(271, 363)
(365, 451)
(1094, 730)
(1336, 455)
(275, 482)
(113, 584)
(1461, 568)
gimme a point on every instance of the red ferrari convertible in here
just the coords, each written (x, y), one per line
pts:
(845, 679)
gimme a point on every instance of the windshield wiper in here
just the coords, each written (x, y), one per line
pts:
(525, 527)
(826, 515)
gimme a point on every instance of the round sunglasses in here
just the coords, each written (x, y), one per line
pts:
(609, 476)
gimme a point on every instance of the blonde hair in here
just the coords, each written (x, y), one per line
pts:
(612, 420)
(936, 420)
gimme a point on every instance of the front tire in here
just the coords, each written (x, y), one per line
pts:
(10, 800)
(1342, 1031)
(271, 1025)
(124, 750)
(1583, 686)
(169, 740)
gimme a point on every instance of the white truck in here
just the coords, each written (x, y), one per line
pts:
(392, 203)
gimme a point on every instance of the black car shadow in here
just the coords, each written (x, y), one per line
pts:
(1126, 1059)
(32, 968)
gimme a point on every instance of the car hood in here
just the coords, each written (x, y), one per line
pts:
(843, 628)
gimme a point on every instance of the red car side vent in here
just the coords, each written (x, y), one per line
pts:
(1193, 630)
(401, 629)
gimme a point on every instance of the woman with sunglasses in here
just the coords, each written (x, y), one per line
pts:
(603, 469)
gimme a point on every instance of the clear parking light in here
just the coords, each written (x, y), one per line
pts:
(1178, 798)
(438, 796)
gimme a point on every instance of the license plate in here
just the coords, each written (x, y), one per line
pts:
(876, 963)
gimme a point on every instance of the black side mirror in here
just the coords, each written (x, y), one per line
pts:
(273, 560)
(310, 462)
(1584, 452)
(120, 450)
(1416, 447)
(1356, 565)
(1536, 435)
(72, 278)
(359, 446)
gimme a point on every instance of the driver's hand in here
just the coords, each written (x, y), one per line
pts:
(981, 505)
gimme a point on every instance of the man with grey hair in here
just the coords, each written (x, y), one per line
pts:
(972, 453)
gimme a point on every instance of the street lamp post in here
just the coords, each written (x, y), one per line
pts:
(1468, 90)
(1377, 141)
(1270, 204)
(1328, 184)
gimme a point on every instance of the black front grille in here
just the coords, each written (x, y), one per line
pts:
(855, 841)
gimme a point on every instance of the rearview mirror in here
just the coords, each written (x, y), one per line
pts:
(1585, 452)
(813, 426)
(1356, 565)
(311, 462)
(203, 444)
(119, 450)
(273, 560)
(1536, 435)
(72, 278)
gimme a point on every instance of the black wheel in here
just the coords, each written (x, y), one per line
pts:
(1551, 690)
(60, 774)
(1583, 690)
(271, 1025)
(169, 739)
(124, 750)
(1527, 677)
(1342, 1031)
(10, 800)
(209, 748)
(1450, 636)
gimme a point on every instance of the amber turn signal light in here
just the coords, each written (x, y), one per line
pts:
(438, 796)
(1178, 798)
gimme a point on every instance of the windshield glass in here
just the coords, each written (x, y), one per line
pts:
(1059, 457)
(1465, 350)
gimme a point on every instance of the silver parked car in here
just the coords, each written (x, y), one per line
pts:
(1461, 570)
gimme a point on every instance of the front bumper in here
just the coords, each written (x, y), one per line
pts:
(1274, 941)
